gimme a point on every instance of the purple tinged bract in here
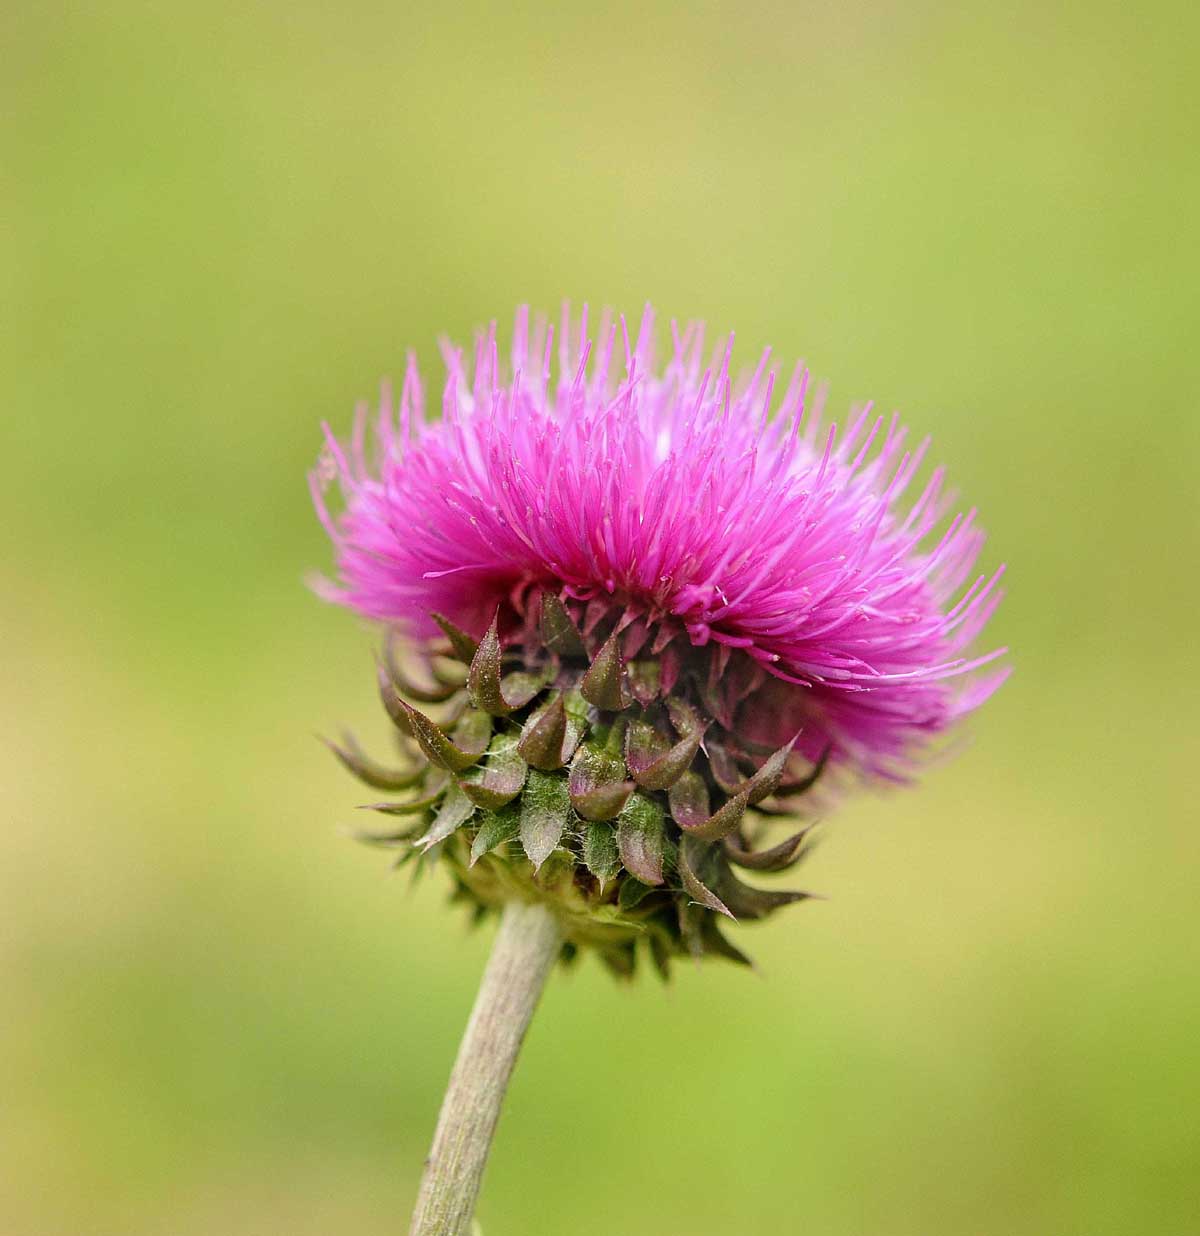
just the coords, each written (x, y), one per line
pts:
(705, 510)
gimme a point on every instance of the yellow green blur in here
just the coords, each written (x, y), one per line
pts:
(219, 224)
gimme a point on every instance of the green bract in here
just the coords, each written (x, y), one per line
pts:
(546, 767)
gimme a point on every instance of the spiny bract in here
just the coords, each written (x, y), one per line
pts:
(571, 762)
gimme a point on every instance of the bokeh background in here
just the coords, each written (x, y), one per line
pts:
(221, 223)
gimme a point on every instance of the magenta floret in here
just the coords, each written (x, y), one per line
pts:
(705, 510)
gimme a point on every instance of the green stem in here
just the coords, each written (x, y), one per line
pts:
(526, 947)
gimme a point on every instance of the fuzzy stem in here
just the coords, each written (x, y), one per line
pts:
(526, 947)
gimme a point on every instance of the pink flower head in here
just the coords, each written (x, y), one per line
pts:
(708, 512)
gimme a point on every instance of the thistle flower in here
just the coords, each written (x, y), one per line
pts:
(704, 595)
(634, 615)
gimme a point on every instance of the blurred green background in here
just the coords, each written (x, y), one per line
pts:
(221, 223)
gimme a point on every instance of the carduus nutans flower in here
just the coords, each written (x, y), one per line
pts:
(635, 612)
